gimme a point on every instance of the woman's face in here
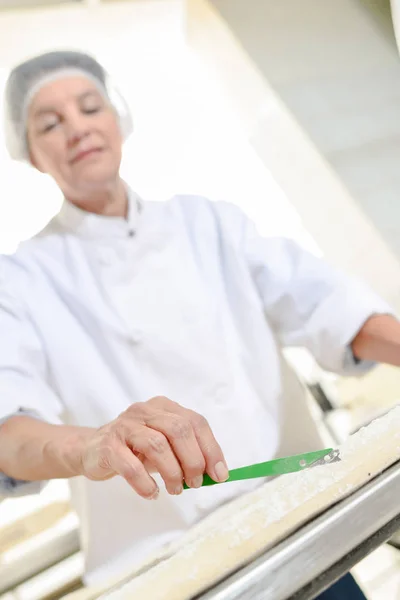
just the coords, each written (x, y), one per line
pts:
(74, 136)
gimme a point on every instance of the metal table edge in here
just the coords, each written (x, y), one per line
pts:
(319, 546)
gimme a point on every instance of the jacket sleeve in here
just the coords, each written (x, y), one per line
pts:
(24, 387)
(308, 302)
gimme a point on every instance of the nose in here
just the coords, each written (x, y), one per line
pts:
(76, 127)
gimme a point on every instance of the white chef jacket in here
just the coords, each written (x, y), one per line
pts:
(182, 299)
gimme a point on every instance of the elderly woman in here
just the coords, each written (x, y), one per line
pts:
(139, 340)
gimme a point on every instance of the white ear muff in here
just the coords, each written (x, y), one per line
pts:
(15, 142)
(122, 109)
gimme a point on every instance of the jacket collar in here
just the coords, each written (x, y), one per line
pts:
(91, 225)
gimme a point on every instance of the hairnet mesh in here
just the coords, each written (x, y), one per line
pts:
(28, 76)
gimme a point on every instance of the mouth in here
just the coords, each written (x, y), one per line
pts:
(85, 154)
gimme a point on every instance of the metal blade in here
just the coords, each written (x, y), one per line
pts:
(332, 457)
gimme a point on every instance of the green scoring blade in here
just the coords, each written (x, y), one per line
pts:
(279, 466)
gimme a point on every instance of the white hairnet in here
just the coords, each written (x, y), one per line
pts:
(29, 77)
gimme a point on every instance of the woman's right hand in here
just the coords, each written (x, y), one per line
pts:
(154, 436)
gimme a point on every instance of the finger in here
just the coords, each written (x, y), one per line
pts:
(215, 461)
(180, 434)
(128, 466)
(211, 451)
(150, 468)
(157, 451)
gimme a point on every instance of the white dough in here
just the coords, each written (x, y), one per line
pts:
(253, 523)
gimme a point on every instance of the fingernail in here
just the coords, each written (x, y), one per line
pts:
(221, 471)
(196, 482)
(178, 490)
(155, 495)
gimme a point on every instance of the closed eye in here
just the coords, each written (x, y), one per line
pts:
(91, 111)
(49, 127)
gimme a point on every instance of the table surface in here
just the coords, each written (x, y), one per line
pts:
(314, 557)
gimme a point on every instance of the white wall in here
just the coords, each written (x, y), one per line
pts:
(337, 73)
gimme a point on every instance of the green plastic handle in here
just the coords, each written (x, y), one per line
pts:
(279, 466)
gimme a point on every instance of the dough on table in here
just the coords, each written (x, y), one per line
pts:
(250, 525)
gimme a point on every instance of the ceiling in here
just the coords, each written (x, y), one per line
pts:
(31, 3)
